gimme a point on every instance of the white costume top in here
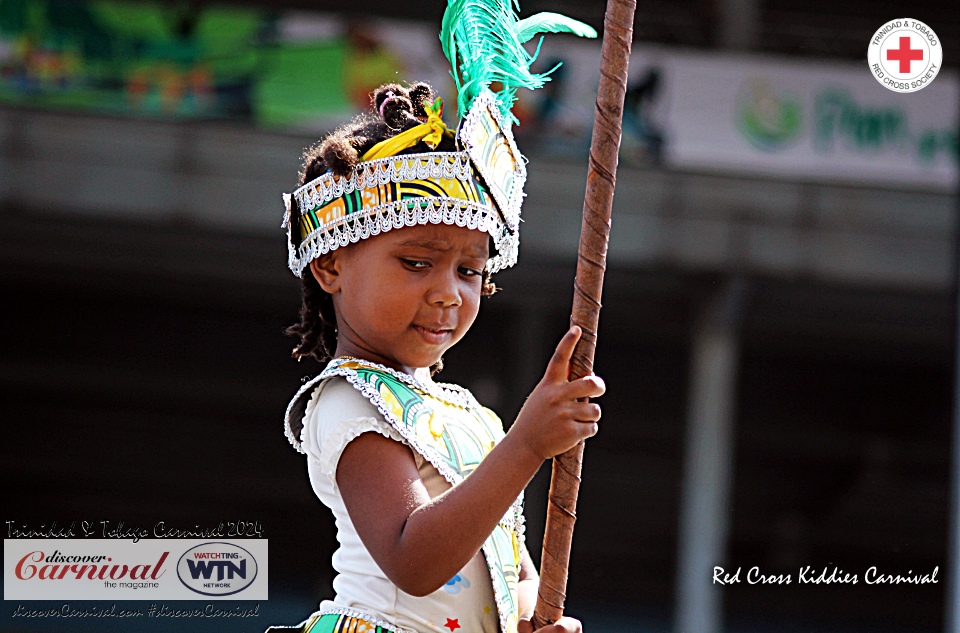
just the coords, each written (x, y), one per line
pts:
(336, 414)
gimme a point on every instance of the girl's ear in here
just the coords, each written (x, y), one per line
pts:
(326, 270)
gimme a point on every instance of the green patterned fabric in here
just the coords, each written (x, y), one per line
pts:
(337, 623)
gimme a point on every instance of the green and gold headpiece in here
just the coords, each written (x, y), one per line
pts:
(479, 186)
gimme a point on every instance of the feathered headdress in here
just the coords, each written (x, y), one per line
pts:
(479, 186)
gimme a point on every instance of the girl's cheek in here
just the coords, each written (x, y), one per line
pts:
(472, 302)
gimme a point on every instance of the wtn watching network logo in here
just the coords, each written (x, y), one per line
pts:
(217, 569)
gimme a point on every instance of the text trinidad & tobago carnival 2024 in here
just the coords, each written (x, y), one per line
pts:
(108, 529)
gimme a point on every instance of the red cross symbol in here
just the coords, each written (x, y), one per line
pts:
(905, 54)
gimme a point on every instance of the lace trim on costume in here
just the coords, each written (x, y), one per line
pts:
(448, 392)
(352, 228)
(287, 430)
(374, 396)
(382, 171)
(354, 613)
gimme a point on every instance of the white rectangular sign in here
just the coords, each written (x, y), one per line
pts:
(755, 114)
(106, 569)
(828, 121)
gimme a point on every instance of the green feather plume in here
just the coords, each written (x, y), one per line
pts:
(483, 39)
(551, 23)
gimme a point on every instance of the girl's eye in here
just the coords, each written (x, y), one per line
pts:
(415, 263)
(470, 272)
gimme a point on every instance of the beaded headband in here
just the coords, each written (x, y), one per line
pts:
(479, 186)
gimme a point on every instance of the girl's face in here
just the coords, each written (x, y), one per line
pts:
(406, 296)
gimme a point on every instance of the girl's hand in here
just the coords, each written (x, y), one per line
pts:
(563, 625)
(553, 419)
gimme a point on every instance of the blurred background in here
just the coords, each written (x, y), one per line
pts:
(779, 321)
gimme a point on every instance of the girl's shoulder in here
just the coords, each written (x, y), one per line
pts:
(333, 415)
(330, 399)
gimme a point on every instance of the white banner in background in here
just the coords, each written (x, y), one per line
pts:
(795, 119)
(822, 121)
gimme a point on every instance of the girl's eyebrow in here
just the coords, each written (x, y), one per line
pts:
(437, 245)
(440, 245)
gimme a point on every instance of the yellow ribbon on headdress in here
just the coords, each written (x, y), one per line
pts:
(430, 132)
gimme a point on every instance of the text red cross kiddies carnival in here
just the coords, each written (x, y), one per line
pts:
(905, 54)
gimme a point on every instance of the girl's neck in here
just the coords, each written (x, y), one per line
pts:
(420, 373)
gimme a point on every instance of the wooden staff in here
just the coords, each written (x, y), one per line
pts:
(588, 285)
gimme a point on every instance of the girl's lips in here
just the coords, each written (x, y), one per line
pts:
(433, 336)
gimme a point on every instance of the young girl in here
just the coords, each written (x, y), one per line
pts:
(423, 546)
(395, 231)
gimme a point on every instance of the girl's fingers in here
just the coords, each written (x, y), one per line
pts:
(585, 411)
(589, 429)
(569, 625)
(558, 369)
(563, 625)
(586, 387)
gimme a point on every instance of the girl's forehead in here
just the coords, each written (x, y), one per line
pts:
(441, 237)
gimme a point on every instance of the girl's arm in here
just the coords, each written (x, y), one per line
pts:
(419, 542)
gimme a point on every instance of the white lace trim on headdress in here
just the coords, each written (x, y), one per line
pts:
(411, 212)
(433, 210)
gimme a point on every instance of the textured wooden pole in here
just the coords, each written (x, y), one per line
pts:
(591, 263)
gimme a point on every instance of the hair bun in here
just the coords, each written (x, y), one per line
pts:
(420, 95)
(392, 102)
(386, 91)
(313, 164)
(339, 154)
(397, 112)
(399, 109)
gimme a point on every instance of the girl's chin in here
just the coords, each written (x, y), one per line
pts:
(425, 362)
(427, 359)
(410, 355)
(414, 360)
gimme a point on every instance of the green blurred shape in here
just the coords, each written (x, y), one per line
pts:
(300, 83)
(136, 21)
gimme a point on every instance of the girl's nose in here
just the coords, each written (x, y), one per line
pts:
(446, 290)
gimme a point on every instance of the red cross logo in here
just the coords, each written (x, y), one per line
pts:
(905, 54)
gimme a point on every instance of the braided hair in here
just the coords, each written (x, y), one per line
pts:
(396, 109)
